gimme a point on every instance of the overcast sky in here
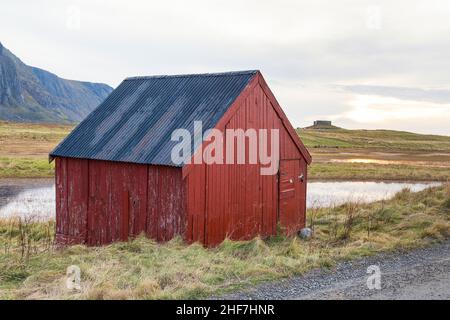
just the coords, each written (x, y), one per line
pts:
(362, 64)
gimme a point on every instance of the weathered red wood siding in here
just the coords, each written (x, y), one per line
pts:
(292, 195)
(71, 200)
(236, 201)
(99, 202)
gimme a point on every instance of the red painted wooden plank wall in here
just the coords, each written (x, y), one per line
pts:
(236, 201)
(99, 202)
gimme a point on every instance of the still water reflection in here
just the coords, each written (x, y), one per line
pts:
(36, 198)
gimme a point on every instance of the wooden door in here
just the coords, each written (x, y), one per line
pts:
(291, 187)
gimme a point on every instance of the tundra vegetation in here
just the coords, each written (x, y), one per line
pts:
(31, 267)
(24, 152)
(24, 148)
(340, 154)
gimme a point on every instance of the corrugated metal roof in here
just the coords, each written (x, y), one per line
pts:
(135, 122)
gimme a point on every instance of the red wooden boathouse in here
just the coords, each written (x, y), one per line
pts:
(115, 177)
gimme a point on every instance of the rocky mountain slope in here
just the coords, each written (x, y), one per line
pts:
(29, 94)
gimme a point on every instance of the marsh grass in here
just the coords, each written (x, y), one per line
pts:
(386, 140)
(26, 236)
(373, 172)
(24, 148)
(24, 167)
(143, 269)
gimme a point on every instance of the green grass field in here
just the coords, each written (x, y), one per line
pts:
(24, 149)
(341, 154)
(24, 152)
(31, 268)
(383, 140)
(373, 172)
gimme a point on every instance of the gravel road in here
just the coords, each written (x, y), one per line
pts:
(417, 274)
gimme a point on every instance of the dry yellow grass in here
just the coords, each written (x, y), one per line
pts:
(24, 148)
(143, 269)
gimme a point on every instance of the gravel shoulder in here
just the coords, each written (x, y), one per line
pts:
(416, 274)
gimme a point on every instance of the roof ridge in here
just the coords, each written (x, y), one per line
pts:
(218, 74)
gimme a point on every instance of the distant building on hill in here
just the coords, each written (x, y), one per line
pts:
(322, 123)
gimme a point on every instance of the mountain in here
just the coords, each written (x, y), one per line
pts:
(29, 94)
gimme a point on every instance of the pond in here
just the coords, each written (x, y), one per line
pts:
(36, 197)
(27, 198)
(325, 194)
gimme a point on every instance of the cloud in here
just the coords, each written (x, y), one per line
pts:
(441, 96)
(318, 56)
